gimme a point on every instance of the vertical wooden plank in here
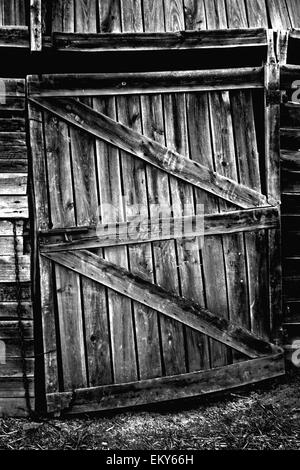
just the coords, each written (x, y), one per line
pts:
(135, 194)
(2, 23)
(153, 15)
(122, 338)
(9, 13)
(282, 46)
(42, 215)
(236, 14)
(293, 7)
(172, 333)
(97, 334)
(20, 12)
(215, 14)
(112, 211)
(87, 212)
(249, 175)
(278, 14)
(109, 13)
(272, 156)
(194, 12)
(201, 151)
(67, 282)
(174, 16)
(164, 253)
(86, 16)
(140, 256)
(63, 16)
(131, 16)
(35, 25)
(213, 250)
(257, 13)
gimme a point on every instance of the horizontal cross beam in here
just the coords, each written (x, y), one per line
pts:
(150, 230)
(146, 83)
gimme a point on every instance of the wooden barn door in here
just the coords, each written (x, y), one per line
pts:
(141, 304)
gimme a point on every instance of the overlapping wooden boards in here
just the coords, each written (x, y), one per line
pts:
(14, 207)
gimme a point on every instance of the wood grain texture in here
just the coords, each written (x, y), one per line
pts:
(168, 388)
(84, 117)
(278, 14)
(35, 25)
(151, 82)
(178, 308)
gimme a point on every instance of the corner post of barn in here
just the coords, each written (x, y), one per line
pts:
(272, 180)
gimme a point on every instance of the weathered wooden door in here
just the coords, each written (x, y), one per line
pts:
(136, 306)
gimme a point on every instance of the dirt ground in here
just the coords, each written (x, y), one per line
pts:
(262, 417)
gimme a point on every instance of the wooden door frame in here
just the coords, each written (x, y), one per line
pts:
(52, 94)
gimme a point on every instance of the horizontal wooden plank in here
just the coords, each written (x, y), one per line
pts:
(9, 329)
(12, 151)
(8, 268)
(14, 207)
(12, 87)
(13, 387)
(14, 36)
(151, 82)
(180, 309)
(13, 345)
(12, 138)
(202, 39)
(288, 75)
(14, 165)
(10, 407)
(294, 33)
(12, 103)
(12, 124)
(290, 181)
(152, 152)
(6, 227)
(290, 114)
(7, 246)
(13, 367)
(9, 291)
(8, 310)
(290, 138)
(13, 183)
(167, 388)
(290, 160)
(161, 229)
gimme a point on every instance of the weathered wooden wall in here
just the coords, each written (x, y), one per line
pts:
(105, 16)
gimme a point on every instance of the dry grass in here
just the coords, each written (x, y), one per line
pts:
(263, 418)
